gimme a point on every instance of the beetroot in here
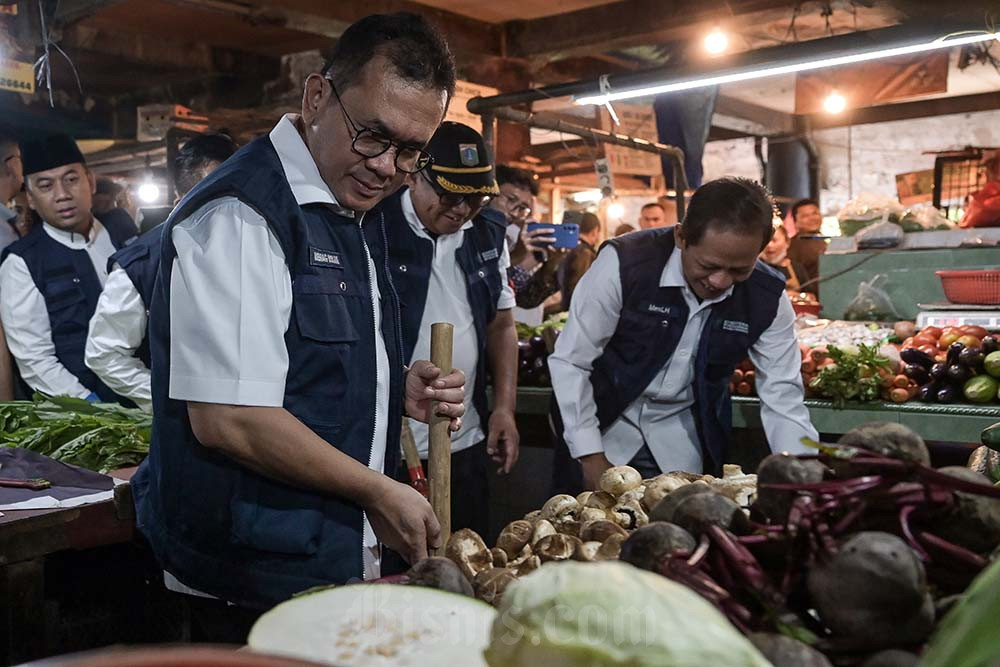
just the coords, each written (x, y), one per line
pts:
(440, 573)
(648, 545)
(664, 510)
(697, 512)
(784, 651)
(974, 523)
(773, 504)
(888, 439)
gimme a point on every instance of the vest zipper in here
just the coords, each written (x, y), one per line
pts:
(371, 447)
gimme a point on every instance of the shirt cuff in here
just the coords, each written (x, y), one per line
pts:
(255, 393)
(585, 443)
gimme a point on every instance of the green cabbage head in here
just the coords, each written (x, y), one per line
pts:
(611, 614)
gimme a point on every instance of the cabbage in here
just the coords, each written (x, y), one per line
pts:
(611, 614)
(967, 635)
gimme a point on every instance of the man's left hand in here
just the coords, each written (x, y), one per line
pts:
(503, 442)
(424, 386)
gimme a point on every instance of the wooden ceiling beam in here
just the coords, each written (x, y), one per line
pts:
(71, 11)
(748, 118)
(941, 106)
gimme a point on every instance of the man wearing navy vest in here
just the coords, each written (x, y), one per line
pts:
(657, 325)
(117, 348)
(278, 374)
(50, 280)
(448, 258)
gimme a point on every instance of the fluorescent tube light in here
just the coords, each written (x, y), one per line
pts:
(791, 68)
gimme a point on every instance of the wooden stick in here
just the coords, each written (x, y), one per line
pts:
(414, 467)
(439, 459)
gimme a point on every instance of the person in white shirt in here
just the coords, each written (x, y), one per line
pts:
(641, 371)
(117, 349)
(448, 258)
(50, 279)
(11, 182)
(278, 379)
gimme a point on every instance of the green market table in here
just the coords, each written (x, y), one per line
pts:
(948, 423)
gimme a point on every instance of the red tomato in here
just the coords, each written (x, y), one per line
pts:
(947, 338)
(933, 332)
(924, 340)
(908, 342)
(973, 330)
(929, 350)
(970, 341)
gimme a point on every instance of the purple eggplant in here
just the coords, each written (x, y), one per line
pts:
(990, 344)
(916, 373)
(948, 394)
(939, 371)
(958, 373)
(912, 355)
(928, 392)
(972, 358)
(954, 350)
(538, 346)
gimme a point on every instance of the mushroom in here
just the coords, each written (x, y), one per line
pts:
(533, 517)
(583, 498)
(513, 538)
(736, 487)
(556, 547)
(500, 557)
(522, 556)
(611, 548)
(599, 531)
(467, 550)
(601, 500)
(588, 514)
(630, 514)
(586, 551)
(489, 585)
(658, 490)
(569, 527)
(731, 470)
(543, 528)
(530, 564)
(636, 494)
(559, 508)
(619, 479)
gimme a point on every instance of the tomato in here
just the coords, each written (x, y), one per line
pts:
(933, 332)
(948, 330)
(947, 338)
(921, 339)
(907, 343)
(929, 350)
(970, 341)
(973, 330)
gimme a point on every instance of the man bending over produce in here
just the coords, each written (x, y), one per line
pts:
(278, 377)
(641, 371)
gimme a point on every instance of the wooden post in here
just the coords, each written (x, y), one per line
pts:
(439, 458)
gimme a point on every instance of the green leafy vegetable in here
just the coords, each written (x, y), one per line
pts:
(96, 436)
(967, 635)
(556, 322)
(853, 376)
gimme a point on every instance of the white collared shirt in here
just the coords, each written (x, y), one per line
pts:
(661, 417)
(117, 329)
(26, 319)
(448, 301)
(231, 300)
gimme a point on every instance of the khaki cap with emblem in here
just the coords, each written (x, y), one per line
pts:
(461, 163)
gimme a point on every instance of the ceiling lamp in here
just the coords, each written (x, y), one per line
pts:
(716, 42)
(834, 103)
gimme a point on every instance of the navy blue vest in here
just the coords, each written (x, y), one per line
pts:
(410, 259)
(216, 525)
(141, 261)
(68, 282)
(650, 327)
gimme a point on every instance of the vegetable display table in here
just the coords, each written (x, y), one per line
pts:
(26, 537)
(950, 423)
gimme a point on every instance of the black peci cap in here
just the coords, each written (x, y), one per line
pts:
(50, 152)
(461, 163)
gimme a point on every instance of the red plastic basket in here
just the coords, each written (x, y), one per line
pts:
(980, 286)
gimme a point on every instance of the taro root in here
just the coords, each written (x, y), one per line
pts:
(489, 585)
(974, 522)
(659, 488)
(619, 479)
(600, 531)
(888, 439)
(601, 500)
(500, 557)
(611, 548)
(556, 547)
(784, 651)
(647, 546)
(586, 551)
(441, 573)
(701, 510)
(872, 594)
(892, 658)
(629, 514)
(543, 528)
(773, 504)
(513, 538)
(467, 550)
(664, 510)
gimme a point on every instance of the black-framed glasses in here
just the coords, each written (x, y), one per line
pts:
(516, 209)
(367, 142)
(454, 199)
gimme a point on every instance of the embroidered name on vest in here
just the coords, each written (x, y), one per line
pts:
(736, 326)
(662, 310)
(487, 255)
(325, 258)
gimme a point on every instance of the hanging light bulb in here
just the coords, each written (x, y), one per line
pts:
(616, 211)
(834, 103)
(716, 42)
(149, 192)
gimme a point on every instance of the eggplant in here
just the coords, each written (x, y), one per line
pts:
(971, 358)
(939, 371)
(954, 350)
(990, 344)
(912, 355)
(538, 346)
(948, 394)
(916, 373)
(958, 373)
(928, 392)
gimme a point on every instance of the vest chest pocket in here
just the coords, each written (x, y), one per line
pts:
(322, 309)
(66, 304)
(727, 349)
(487, 274)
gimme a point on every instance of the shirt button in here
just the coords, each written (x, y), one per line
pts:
(76, 280)
(665, 323)
(343, 286)
(402, 268)
(482, 274)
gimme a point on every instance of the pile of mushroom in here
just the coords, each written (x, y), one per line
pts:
(590, 527)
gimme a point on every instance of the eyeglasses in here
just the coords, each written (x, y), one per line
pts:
(367, 142)
(454, 200)
(516, 209)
